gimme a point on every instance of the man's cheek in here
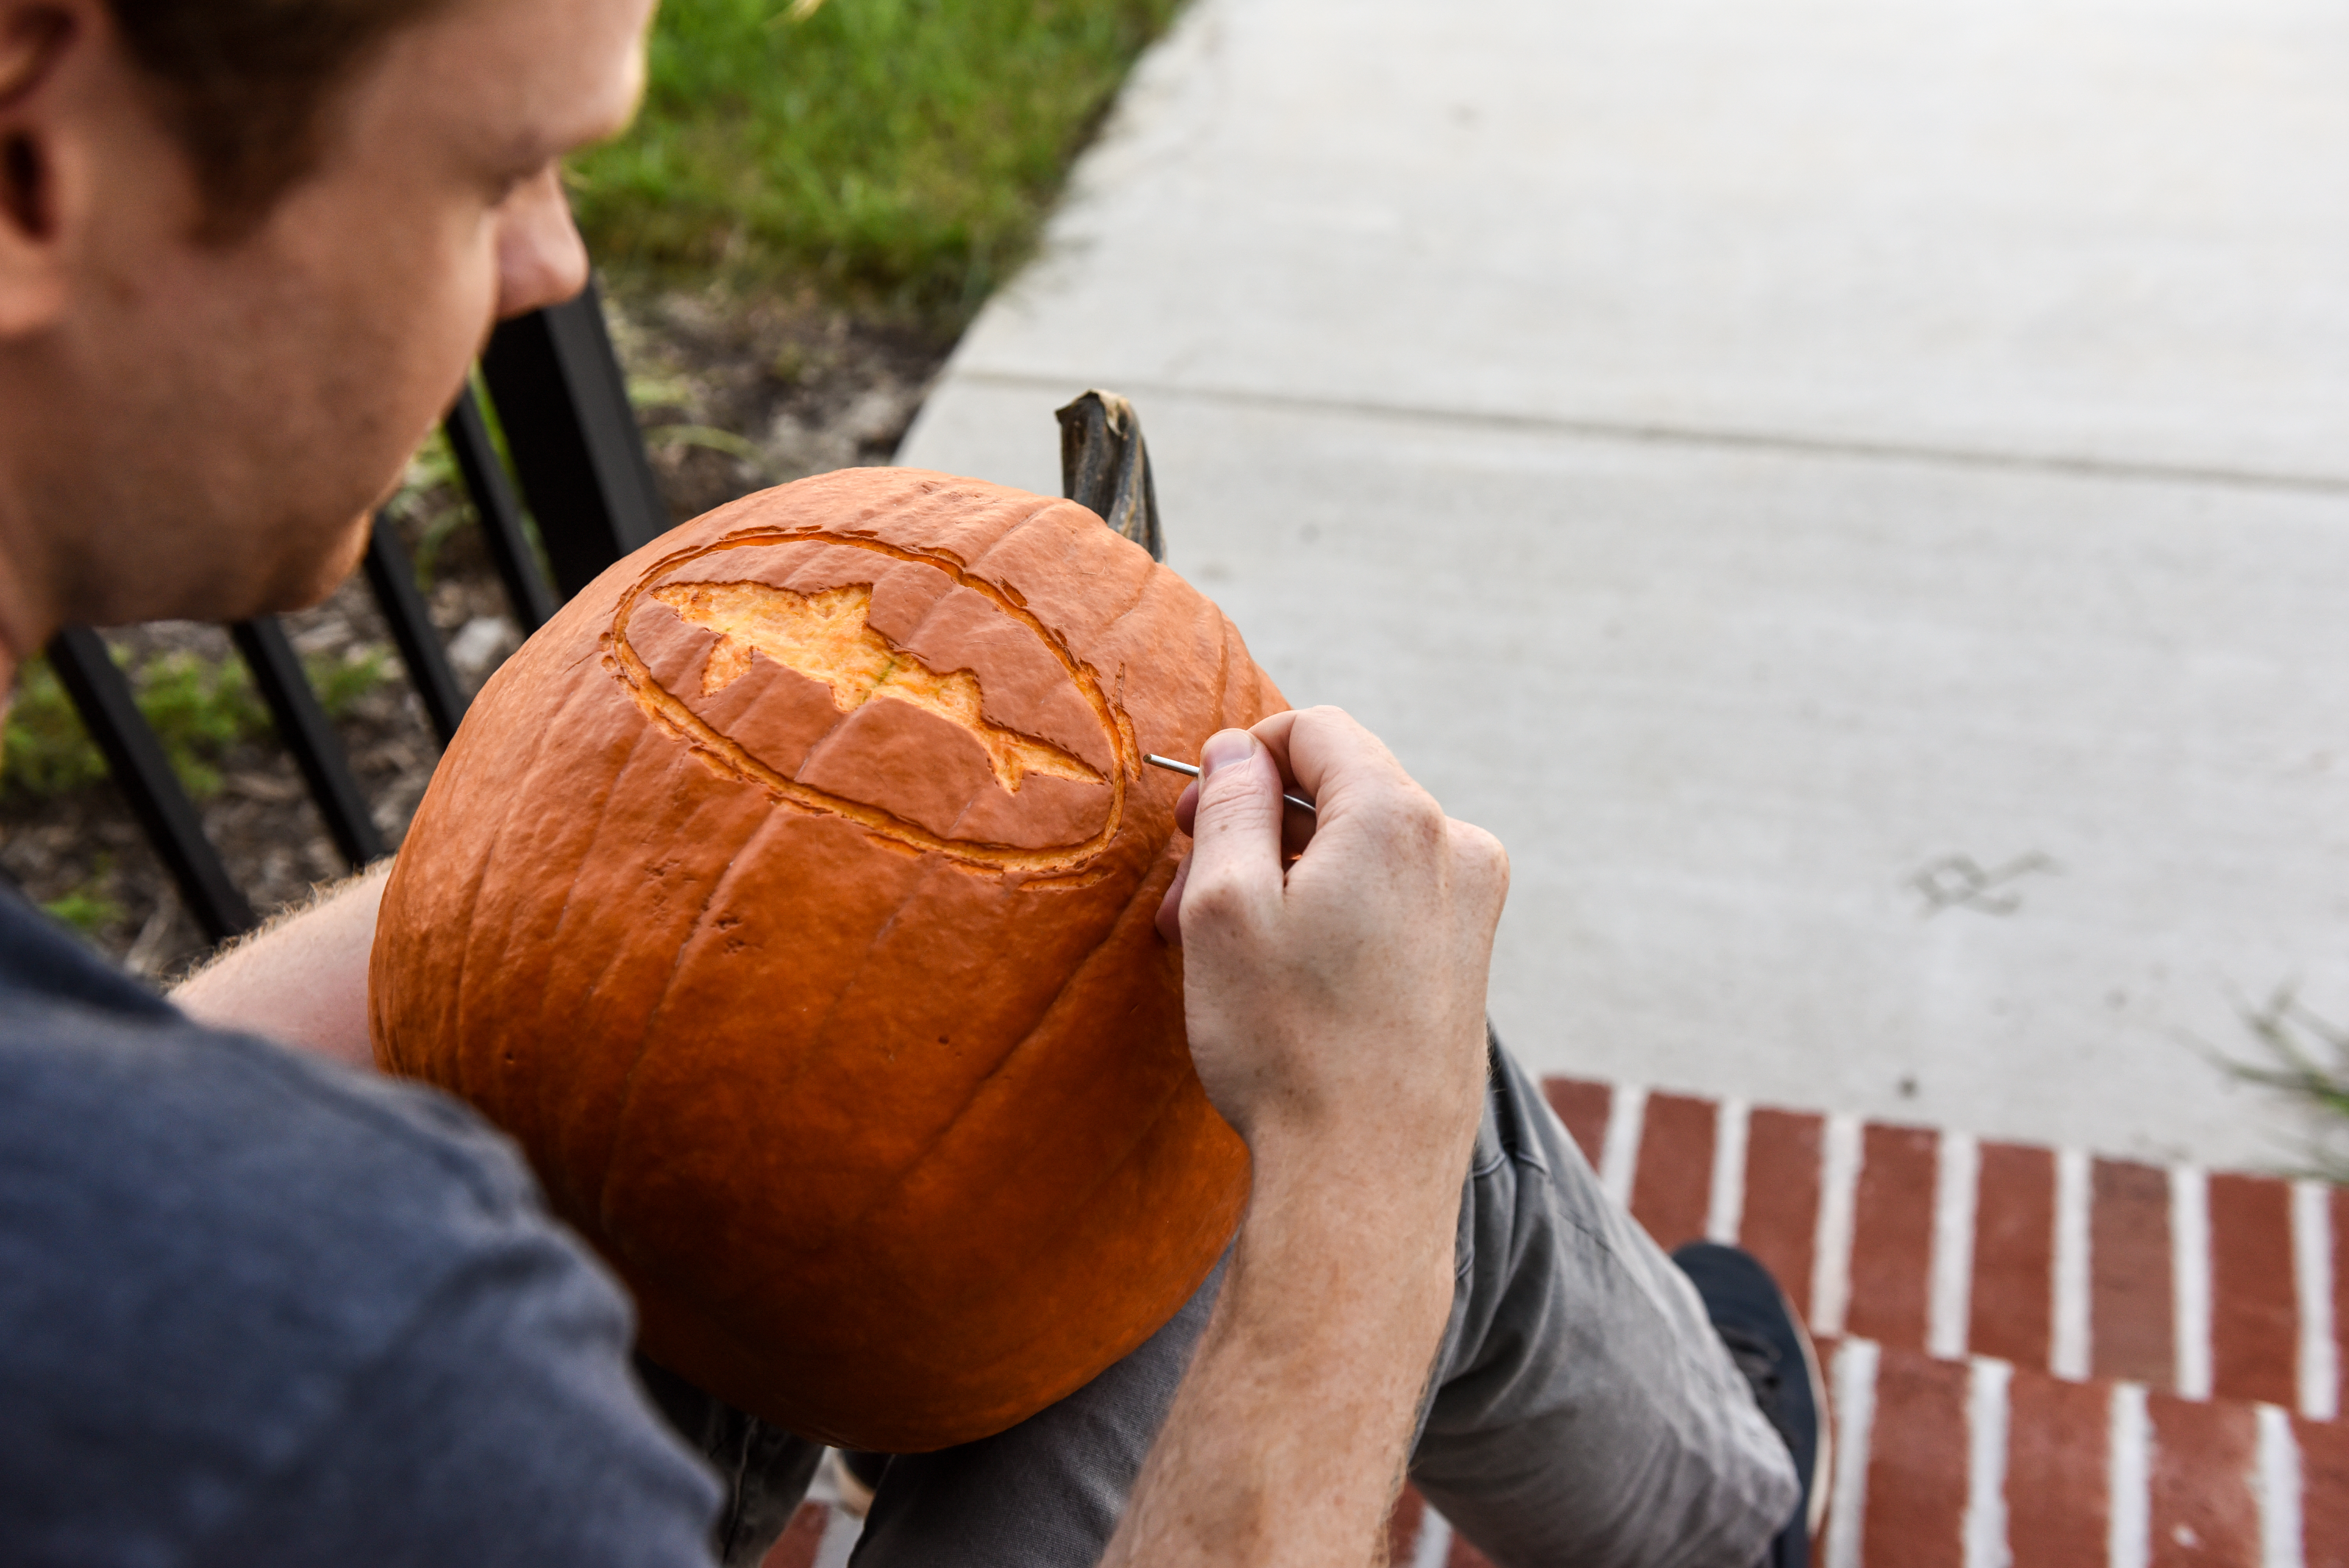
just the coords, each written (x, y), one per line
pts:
(312, 581)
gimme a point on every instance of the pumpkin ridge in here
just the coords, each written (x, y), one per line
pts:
(542, 1112)
(473, 897)
(645, 1042)
(1144, 583)
(587, 1133)
(820, 1034)
(595, 836)
(1222, 674)
(822, 1030)
(1027, 1040)
(528, 764)
(1159, 1112)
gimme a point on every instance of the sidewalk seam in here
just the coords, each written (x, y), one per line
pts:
(1782, 442)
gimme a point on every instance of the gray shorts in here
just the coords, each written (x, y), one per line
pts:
(1582, 1410)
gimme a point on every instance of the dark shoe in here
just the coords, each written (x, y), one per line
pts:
(1774, 1350)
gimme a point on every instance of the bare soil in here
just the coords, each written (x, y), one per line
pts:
(735, 392)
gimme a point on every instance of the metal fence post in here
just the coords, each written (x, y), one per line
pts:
(309, 734)
(493, 502)
(392, 575)
(562, 402)
(135, 758)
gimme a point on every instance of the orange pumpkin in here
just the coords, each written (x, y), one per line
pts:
(790, 898)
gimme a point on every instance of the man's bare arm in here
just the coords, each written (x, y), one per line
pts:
(303, 977)
(1336, 1015)
(1286, 1442)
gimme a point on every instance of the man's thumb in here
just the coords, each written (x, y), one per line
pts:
(1235, 826)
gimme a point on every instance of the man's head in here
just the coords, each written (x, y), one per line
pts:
(247, 250)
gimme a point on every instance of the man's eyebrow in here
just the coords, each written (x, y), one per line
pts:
(526, 148)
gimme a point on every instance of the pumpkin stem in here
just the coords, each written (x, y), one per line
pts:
(1104, 465)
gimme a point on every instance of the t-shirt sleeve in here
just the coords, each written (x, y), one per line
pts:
(502, 1427)
(257, 1309)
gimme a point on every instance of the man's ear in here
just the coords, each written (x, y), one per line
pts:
(36, 38)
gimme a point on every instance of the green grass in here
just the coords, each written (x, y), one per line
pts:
(43, 749)
(900, 153)
(84, 910)
(199, 708)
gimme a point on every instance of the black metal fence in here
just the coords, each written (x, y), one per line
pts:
(563, 404)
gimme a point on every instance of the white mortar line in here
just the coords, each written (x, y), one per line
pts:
(1434, 1546)
(1831, 1247)
(2067, 1350)
(1854, 1376)
(2189, 1253)
(1619, 1154)
(840, 1533)
(1957, 1173)
(1725, 1213)
(1985, 1525)
(2278, 1489)
(2312, 1275)
(2128, 1544)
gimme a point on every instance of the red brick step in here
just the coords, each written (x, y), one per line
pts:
(2189, 1282)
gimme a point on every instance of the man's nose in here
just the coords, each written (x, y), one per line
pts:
(541, 261)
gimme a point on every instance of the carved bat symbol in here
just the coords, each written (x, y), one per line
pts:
(824, 637)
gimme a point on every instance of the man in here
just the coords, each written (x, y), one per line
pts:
(259, 1306)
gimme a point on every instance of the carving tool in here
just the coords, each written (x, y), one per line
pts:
(1186, 768)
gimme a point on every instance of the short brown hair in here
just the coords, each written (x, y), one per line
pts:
(245, 85)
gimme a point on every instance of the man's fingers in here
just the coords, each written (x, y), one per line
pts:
(1324, 749)
(1274, 732)
(1170, 908)
(1235, 826)
(1296, 826)
(1296, 831)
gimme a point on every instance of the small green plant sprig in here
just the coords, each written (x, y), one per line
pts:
(84, 909)
(2307, 1057)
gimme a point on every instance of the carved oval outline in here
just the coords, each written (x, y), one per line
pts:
(727, 756)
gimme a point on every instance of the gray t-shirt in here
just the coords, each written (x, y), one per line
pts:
(257, 1309)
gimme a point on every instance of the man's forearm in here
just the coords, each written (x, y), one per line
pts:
(302, 978)
(1287, 1442)
(1334, 1003)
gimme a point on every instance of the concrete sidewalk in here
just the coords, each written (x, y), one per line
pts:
(1857, 495)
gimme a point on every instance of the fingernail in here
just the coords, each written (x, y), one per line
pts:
(1224, 746)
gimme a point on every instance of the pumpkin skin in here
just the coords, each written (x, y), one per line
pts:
(811, 961)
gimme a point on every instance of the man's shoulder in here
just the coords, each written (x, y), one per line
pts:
(214, 1250)
(107, 1087)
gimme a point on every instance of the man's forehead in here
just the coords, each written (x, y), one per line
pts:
(532, 77)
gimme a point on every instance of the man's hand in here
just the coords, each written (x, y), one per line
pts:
(1335, 1010)
(1344, 994)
